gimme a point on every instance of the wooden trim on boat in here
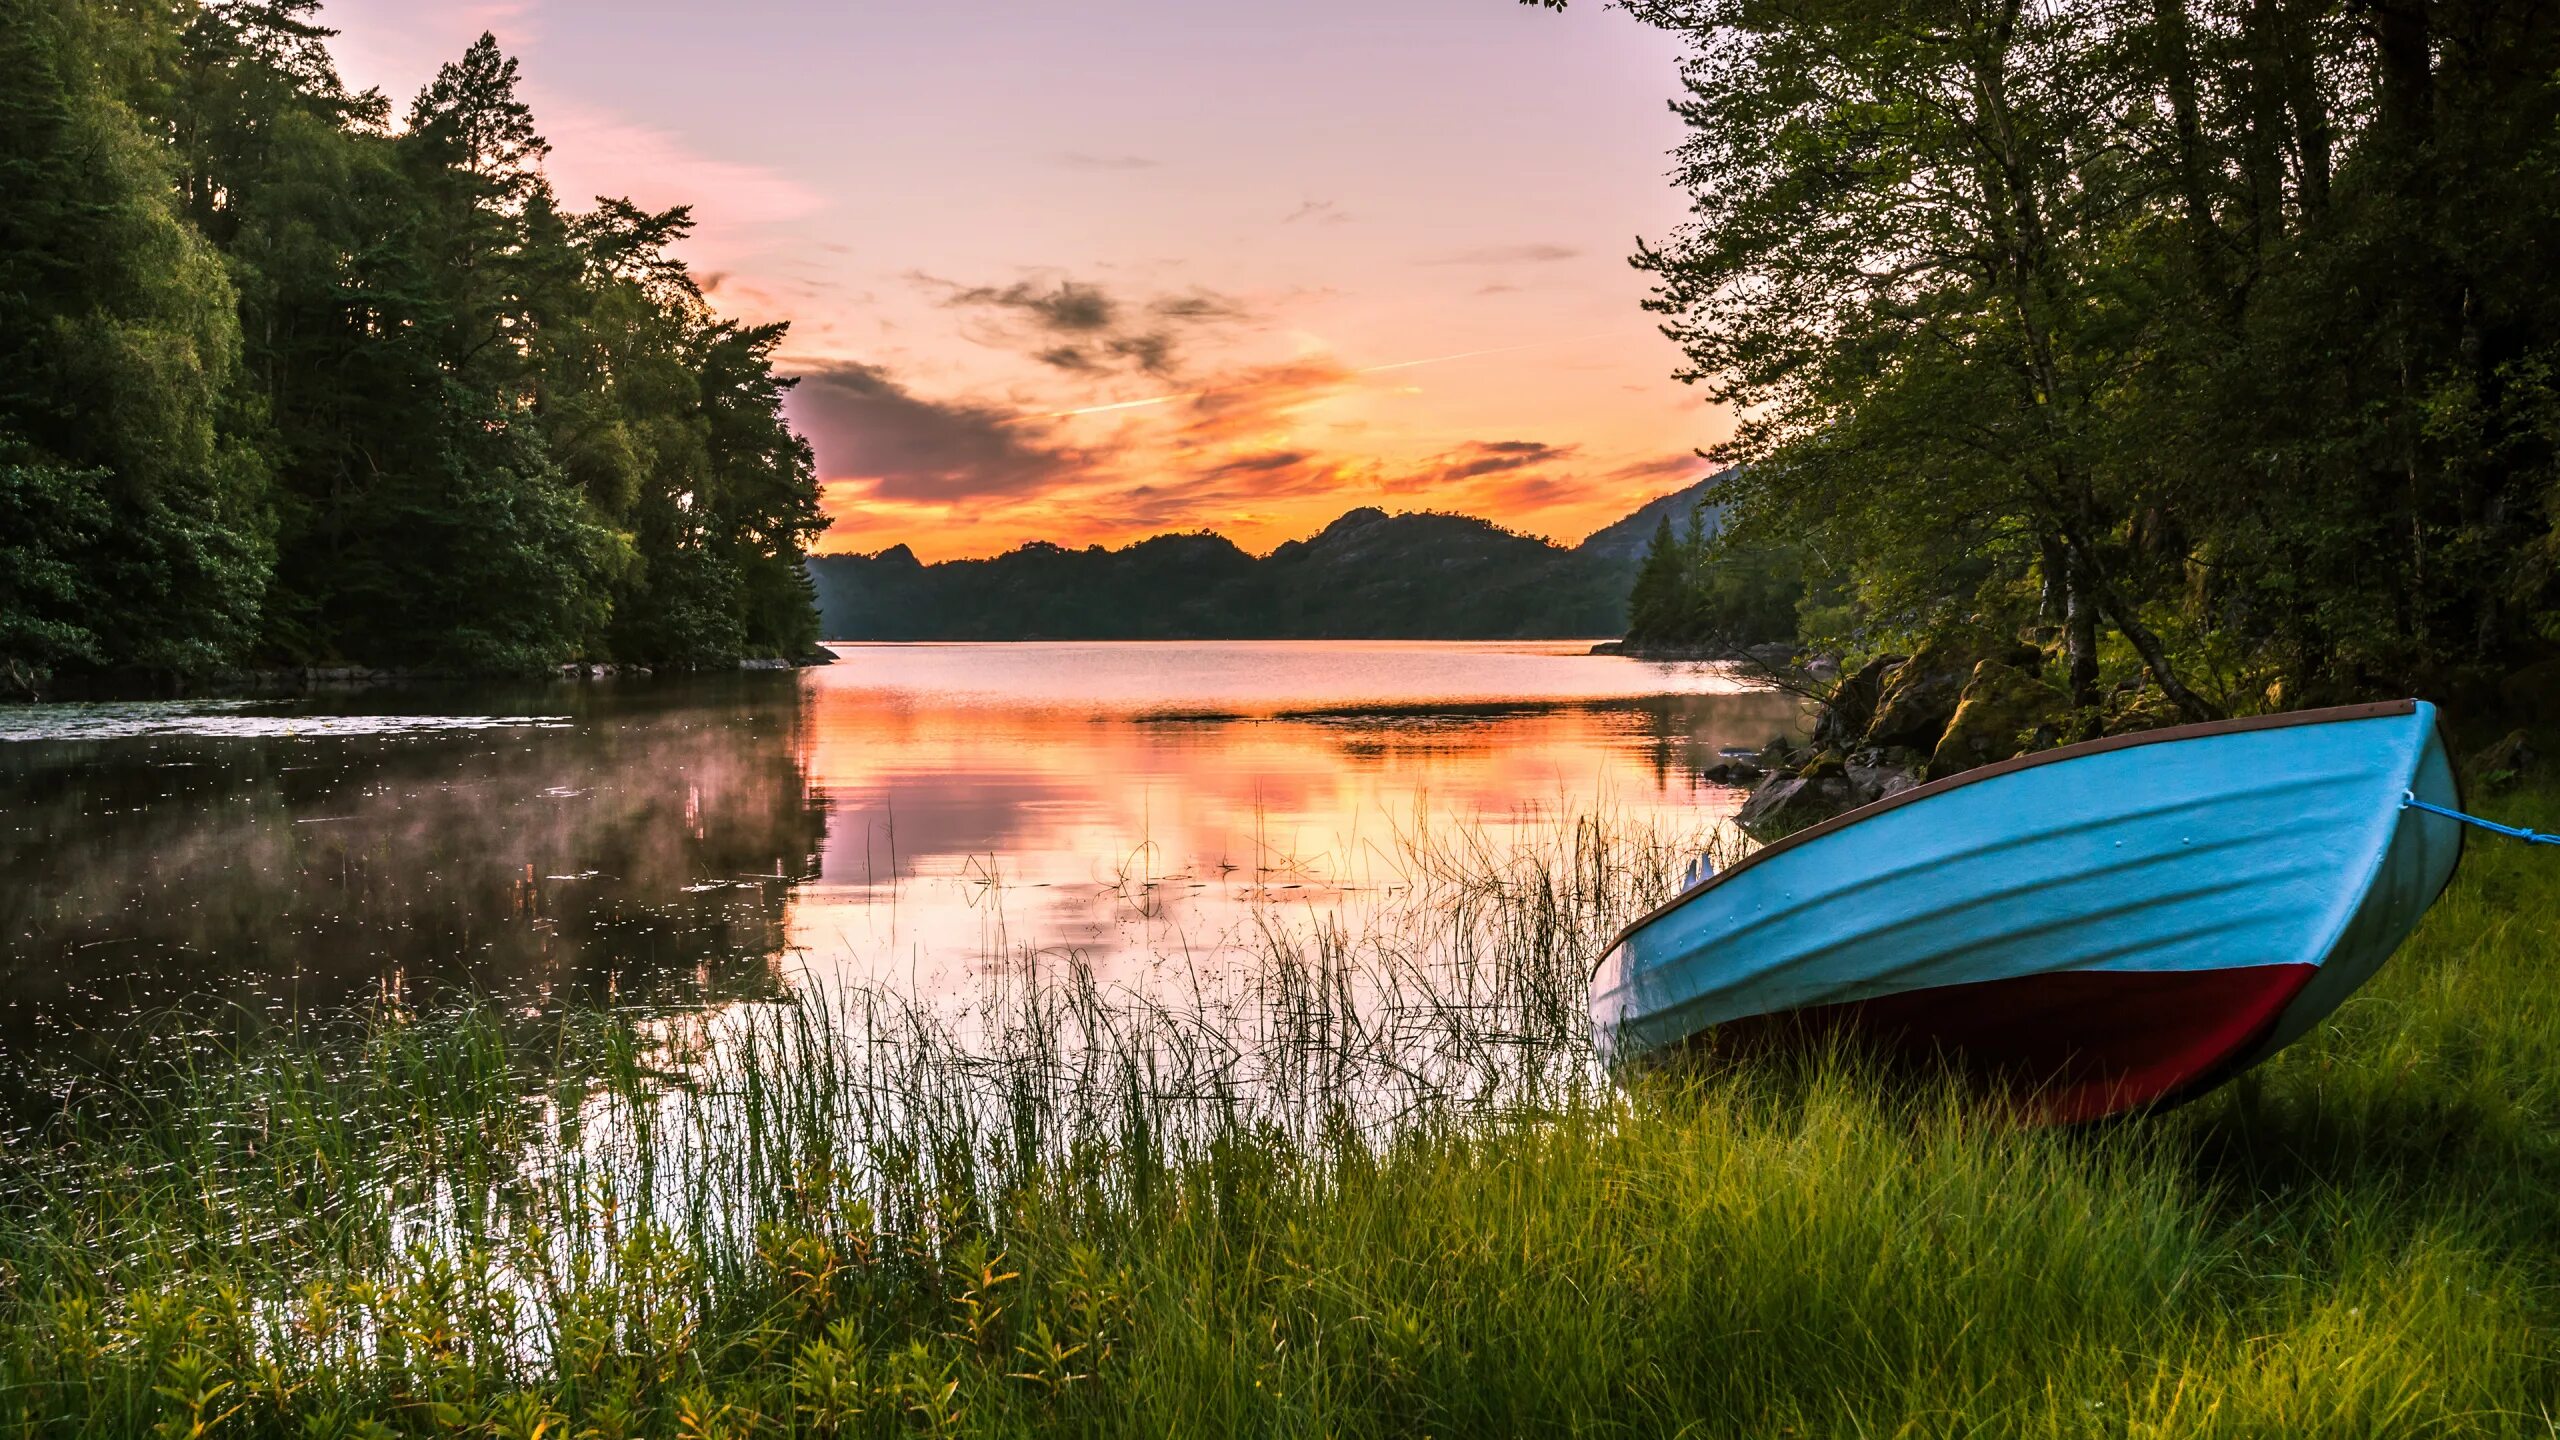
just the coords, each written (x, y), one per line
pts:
(2374, 710)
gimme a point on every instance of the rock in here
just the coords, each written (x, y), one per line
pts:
(1823, 766)
(1732, 772)
(1853, 702)
(1871, 783)
(1774, 794)
(1785, 804)
(2497, 767)
(1919, 696)
(2004, 712)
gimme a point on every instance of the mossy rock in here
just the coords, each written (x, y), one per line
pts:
(1852, 707)
(2004, 712)
(1919, 697)
(1824, 766)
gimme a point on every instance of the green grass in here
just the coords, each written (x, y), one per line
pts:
(1376, 1192)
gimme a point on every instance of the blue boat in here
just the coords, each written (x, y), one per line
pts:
(2090, 930)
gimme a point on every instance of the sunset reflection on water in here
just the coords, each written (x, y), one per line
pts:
(1146, 806)
(915, 815)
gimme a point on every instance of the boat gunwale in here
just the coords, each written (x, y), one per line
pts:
(2282, 720)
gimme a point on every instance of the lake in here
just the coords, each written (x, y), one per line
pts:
(913, 816)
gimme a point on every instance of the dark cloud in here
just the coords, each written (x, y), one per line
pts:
(1535, 254)
(1494, 457)
(1682, 468)
(1067, 357)
(1067, 307)
(1198, 307)
(866, 427)
(1150, 351)
(1262, 464)
(1081, 328)
(1081, 160)
(1316, 212)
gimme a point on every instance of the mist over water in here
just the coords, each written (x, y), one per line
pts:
(913, 816)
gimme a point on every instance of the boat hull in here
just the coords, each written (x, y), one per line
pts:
(2092, 930)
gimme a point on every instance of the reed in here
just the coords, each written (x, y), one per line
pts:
(1372, 1185)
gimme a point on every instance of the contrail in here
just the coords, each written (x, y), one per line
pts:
(1363, 370)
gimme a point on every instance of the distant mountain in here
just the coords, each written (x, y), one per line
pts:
(1368, 575)
(1626, 539)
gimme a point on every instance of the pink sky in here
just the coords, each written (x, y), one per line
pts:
(1089, 273)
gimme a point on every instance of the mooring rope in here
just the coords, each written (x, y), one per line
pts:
(2410, 801)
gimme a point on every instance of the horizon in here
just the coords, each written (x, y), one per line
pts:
(1257, 272)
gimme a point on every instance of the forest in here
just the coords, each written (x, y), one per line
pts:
(2208, 345)
(288, 377)
(1367, 575)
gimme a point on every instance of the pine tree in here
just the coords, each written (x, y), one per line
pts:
(1654, 606)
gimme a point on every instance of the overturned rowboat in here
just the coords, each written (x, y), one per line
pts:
(2090, 930)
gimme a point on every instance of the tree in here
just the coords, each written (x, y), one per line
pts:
(2191, 334)
(139, 538)
(278, 382)
(1654, 605)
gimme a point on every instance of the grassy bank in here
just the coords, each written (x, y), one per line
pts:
(1375, 1191)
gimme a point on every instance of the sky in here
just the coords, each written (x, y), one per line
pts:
(1087, 273)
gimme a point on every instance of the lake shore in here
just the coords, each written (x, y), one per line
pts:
(292, 680)
(1092, 1223)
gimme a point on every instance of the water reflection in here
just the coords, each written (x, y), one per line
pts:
(1153, 807)
(912, 815)
(561, 843)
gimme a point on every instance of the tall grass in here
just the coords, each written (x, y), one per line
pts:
(1377, 1189)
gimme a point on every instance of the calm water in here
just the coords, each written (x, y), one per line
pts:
(912, 815)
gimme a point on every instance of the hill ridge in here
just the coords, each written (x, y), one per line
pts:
(1368, 574)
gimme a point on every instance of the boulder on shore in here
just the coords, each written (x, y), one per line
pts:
(1852, 707)
(1919, 696)
(2003, 712)
(1785, 804)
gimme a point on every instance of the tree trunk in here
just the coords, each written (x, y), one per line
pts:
(2146, 643)
(2263, 125)
(2313, 143)
(2079, 634)
(2176, 41)
(2404, 40)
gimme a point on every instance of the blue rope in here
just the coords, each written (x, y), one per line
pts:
(2410, 801)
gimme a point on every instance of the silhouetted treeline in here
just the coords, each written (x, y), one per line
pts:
(286, 378)
(1367, 575)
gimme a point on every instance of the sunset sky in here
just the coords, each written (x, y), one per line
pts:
(1090, 273)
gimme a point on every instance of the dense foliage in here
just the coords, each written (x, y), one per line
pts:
(2198, 336)
(281, 380)
(1367, 575)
